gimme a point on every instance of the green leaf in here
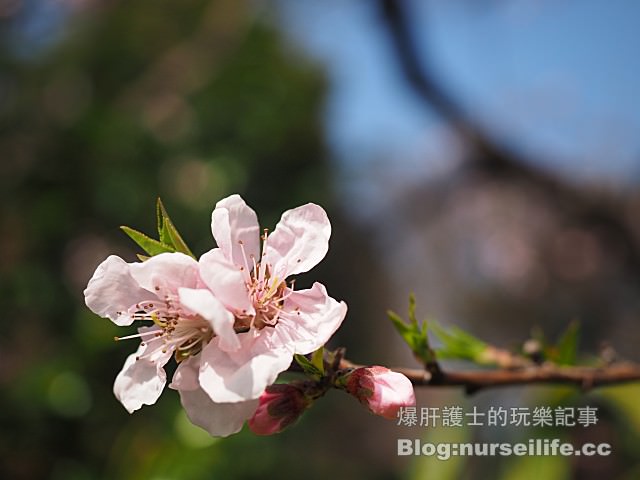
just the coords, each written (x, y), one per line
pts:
(458, 344)
(412, 309)
(403, 329)
(567, 347)
(168, 233)
(308, 367)
(414, 335)
(163, 234)
(148, 244)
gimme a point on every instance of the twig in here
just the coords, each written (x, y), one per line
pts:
(584, 377)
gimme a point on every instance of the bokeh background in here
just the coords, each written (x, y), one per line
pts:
(482, 154)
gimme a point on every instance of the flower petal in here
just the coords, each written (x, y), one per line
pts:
(112, 290)
(226, 281)
(219, 419)
(311, 318)
(163, 274)
(299, 242)
(186, 375)
(234, 223)
(141, 380)
(203, 303)
(242, 375)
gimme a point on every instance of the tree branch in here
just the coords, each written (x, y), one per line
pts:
(584, 377)
(488, 155)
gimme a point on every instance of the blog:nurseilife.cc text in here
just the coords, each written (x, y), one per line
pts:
(534, 447)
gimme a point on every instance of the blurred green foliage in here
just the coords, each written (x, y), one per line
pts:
(188, 100)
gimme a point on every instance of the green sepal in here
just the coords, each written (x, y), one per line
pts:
(308, 367)
(413, 334)
(148, 244)
(341, 381)
(168, 233)
(317, 360)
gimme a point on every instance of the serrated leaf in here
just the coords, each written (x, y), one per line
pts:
(168, 232)
(307, 366)
(148, 244)
(567, 347)
(317, 360)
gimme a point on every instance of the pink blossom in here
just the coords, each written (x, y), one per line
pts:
(280, 406)
(381, 390)
(272, 321)
(167, 292)
(231, 321)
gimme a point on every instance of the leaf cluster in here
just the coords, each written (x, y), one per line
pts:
(169, 239)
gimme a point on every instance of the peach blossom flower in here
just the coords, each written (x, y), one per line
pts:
(272, 321)
(167, 292)
(231, 320)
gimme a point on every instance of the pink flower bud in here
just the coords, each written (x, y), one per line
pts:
(280, 405)
(382, 391)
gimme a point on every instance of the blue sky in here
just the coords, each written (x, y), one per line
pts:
(557, 79)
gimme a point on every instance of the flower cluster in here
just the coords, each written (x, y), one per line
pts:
(231, 320)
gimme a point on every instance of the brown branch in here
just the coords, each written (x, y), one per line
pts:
(425, 84)
(472, 381)
(488, 155)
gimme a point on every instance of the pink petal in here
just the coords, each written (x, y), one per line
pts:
(203, 303)
(311, 319)
(186, 375)
(391, 390)
(219, 419)
(163, 274)
(299, 242)
(226, 281)
(233, 222)
(140, 382)
(112, 290)
(242, 375)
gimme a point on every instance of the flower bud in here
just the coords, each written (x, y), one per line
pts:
(381, 390)
(280, 405)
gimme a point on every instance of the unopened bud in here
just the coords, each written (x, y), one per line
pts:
(381, 390)
(280, 405)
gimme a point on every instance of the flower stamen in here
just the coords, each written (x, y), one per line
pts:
(179, 332)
